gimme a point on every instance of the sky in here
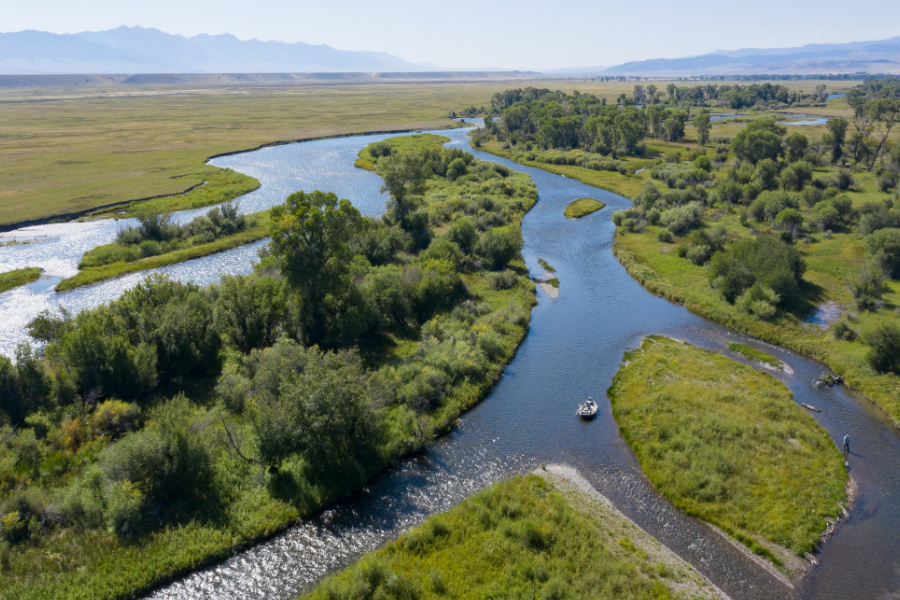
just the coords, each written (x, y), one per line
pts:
(467, 34)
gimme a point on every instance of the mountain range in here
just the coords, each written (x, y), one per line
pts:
(142, 50)
(882, 56)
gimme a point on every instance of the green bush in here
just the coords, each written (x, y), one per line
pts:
(464, 234)
(681, 219)
(766, 260)
(884, 246)
(884, 341)
(499, 246)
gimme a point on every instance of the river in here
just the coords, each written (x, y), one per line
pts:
(572, 350)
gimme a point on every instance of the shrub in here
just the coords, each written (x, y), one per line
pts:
(867, 287)
(464, 234)
(665, 236)
(842, 331)
(504, 280)
(681, 219)
(764, 259)
(884, 340)
(760, 301)
(167, 461)
(884, 246)
(499, 246)
(456, 169)
(124, 507)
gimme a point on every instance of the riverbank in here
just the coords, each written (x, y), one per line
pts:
(747, 458)
(548, 533)
(688, 285)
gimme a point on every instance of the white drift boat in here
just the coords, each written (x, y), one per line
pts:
(587, 409)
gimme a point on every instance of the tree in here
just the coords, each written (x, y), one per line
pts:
(885, 111)
(797, 145)
(404, 176)
(329, 413)
(703, 125)
(760, 139)
(311, 245)
(837, 131)
(884, 246)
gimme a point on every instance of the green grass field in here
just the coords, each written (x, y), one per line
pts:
(17, 277)
(521, 538)
(727, 444)
(69, 150)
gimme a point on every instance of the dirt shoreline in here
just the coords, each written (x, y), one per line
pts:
(585, 498)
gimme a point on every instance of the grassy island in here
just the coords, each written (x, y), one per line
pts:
(582, 207)
(522, 538)
(757, 355)
(15, 278)
(156, 242)
(727, 444)
(175, 425)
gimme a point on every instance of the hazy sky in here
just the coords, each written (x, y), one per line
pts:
(522, 34)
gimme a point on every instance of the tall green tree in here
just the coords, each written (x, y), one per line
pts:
(760, 139)
(703, 125)
(404, 176)
(311, 244)
(837, 132)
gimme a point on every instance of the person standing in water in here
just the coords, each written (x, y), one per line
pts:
(847, 443)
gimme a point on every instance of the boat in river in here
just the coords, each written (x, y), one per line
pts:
(587, 409)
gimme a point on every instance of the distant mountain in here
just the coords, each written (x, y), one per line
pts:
(881, 56)
(140, 50)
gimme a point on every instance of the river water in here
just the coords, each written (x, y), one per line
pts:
(574, 346)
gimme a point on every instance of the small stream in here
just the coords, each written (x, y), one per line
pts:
(574, 346)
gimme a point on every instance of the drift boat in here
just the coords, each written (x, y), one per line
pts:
(587, 409)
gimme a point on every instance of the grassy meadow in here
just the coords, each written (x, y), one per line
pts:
(526, 537)
(727, 444)
(69, 150)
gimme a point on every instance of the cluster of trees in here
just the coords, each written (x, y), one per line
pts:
(729, 96)
(156, 234)
(769, 178)
(876, 109)
(554, 119)
(301, 393)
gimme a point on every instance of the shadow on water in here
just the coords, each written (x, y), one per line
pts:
(574, 347)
